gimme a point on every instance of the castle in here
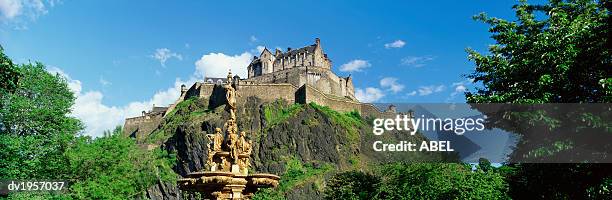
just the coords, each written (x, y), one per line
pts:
(306, 65)
(301, 75)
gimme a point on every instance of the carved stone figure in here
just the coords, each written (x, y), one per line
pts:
(232, 141)
(217, 139)
(211, 152)
(230, 96)
(244, 145)
(209, 160)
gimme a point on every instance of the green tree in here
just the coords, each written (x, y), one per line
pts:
(9, 75)
(37, 128)
(439, 181)
(39, 140)
(115, 167)
(484, 164)
(352, 185)
(561, 57)
(558, 52)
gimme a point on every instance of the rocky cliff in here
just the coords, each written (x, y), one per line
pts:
(304, 143)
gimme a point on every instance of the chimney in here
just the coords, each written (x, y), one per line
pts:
(317, 41)
(278, 52)
(183, 89)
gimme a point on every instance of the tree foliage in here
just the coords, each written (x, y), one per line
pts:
(558, 52)
(9, 75)
(39, 140)
(554, 53)
(114, 167)
(419, 181)
(37, 128)
(352, 185)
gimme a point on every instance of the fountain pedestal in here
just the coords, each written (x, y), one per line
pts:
(231, 184)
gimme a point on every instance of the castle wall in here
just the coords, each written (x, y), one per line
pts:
(322, 79)
(140, 127)
(267, 92)
(137, 127)
(307, 94)
(215, 94)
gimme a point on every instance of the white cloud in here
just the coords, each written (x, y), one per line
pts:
(416, 61)
(395, 44)
(99, 117)
(163, 54)
(104, 82)
(17, 13)
(460, 88)
(427, 90)
(218, 64)
(391, 84)
(412, 93)
(257, 50)
(10, 8)
(368, 95)
(355, 65)
(253, 39)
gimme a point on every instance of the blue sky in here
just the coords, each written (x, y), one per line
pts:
(405, 51)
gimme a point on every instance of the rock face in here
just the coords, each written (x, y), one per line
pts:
(280, 132)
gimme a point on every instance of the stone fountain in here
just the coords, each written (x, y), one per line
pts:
(226, 174)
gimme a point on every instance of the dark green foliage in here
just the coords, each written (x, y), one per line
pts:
(352, 185)
(419, 181)
(114, 167)
(561, 57)
(484, 164)
(9, 75)
(560, 180)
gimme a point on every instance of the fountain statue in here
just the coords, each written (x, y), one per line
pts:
(226, 174)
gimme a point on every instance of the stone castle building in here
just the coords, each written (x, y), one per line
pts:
(301, 75)
(306, 65)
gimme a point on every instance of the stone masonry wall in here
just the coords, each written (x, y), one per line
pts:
(322, 79)
(311, 94)
(215, 94)
(139, 127)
